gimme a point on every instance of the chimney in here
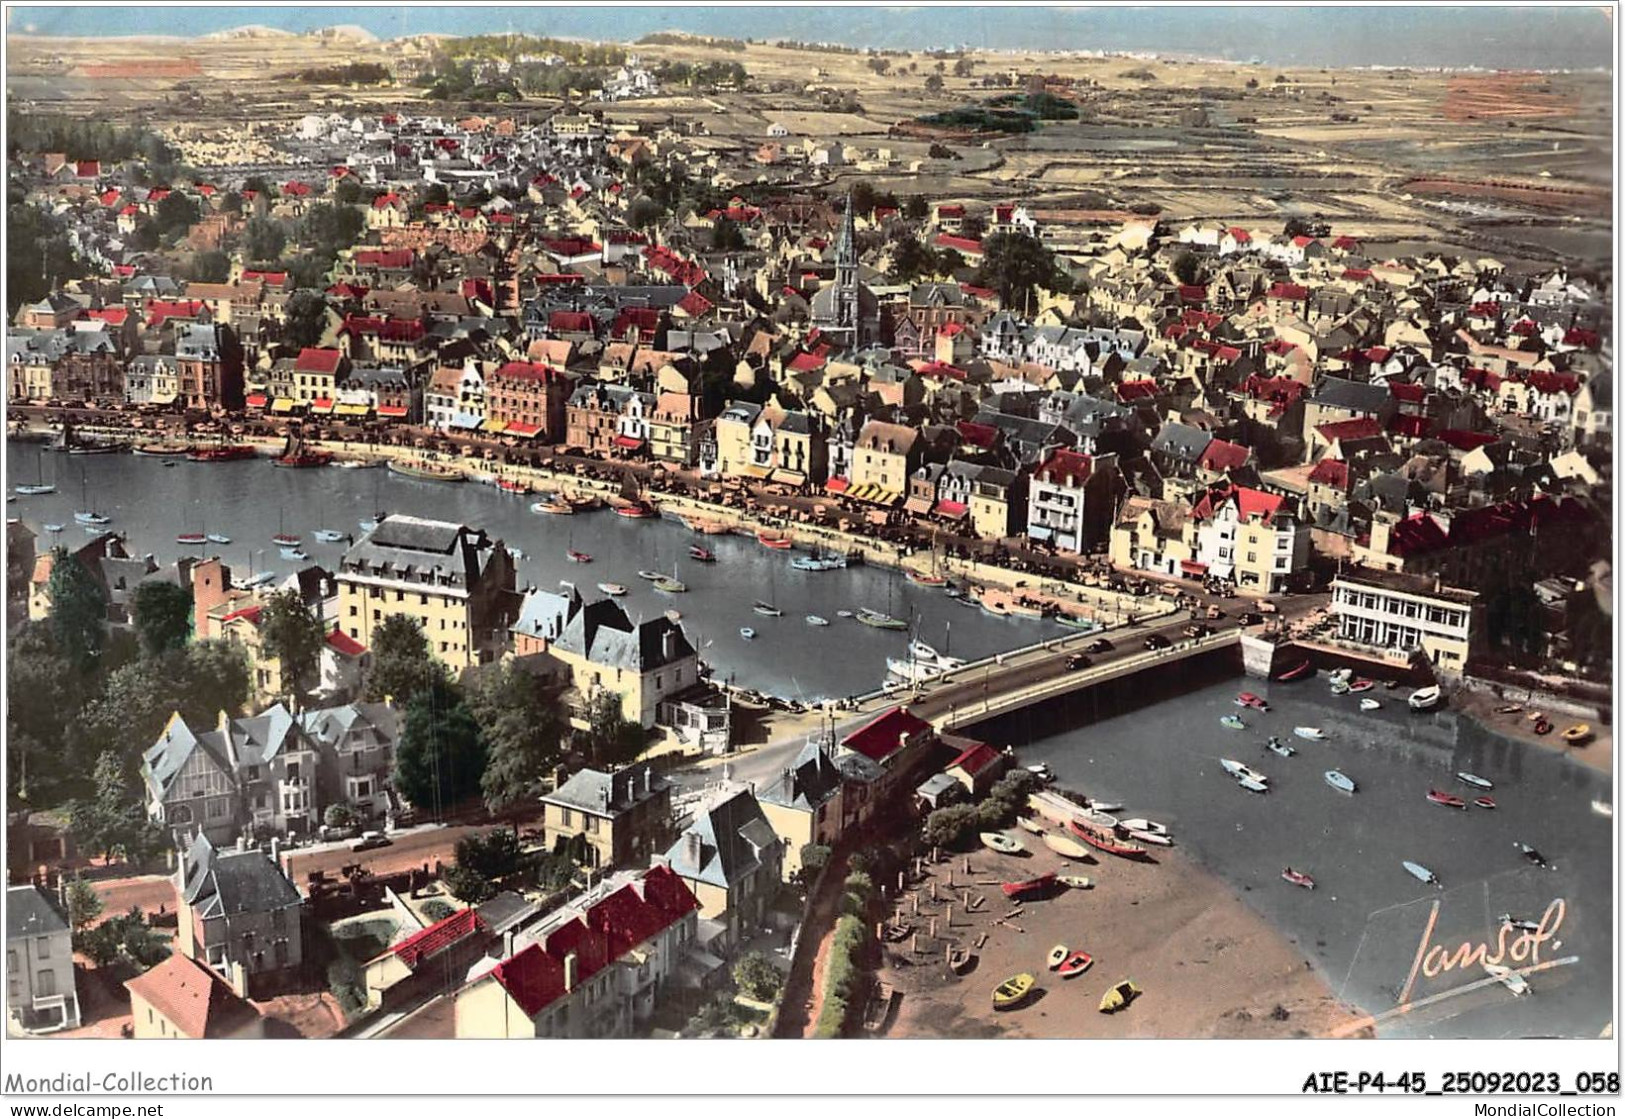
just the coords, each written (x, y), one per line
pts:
(648, 779)
(569, 972)
(668, 643)
(693, 848)
(276, 853)
(787, 783)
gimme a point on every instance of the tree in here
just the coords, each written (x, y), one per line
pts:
(295, 637)
(348, 192)
(814, 858)
(725, 236)
(263, 240)
(933, 83)
(329, 228)
(231, 203)
(963, 68)
(1187, 268)
(211, 267)
(175, 213)
(307, 318)
(163, 616)
(436, 194)
(441, 754)
(611, 738)
(402, 665)
(43, 694)
(78, 610)
(259, 186)
(522, 735)
(493, 855)
(879, 65)
(909, 258)
(948, 262)
(339, 815)
(916, 209)
(644, 213)
(113, 820)
(1013, 264)
(468, 886)
(125, 939)
(84, 905)
(757, 978)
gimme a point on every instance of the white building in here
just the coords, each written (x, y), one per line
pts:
(1402, 614)
(40, 995)
(1055, 499)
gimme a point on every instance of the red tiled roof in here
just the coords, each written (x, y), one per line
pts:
(1411, 394)
(384, 201)
(438, 937)
(958, 244)
(1240, 235)
(526, 371)
(384, 258)
(573, 322)
(194, 998)
(1363, 428)
(1193, 293)
(88, 168)
(1356, 273)
(159, 310)
(1249, 503)
(1221, 455)
(1466, 440)
(1288, 291)
(1413, 427)
(806, 363)
(1544, 382)
(1346, 242)
(249, 614)
(885, 734)
(158, 194)
(1331, 472)
(694, 304)
(1586, 338)
(255, 400)
(1136, 390)
(111, 197)
(661, 259)
(1064, 467)
(275, 279)
(646, 320)
(1303, 242)
(977, 435)
(975, 758)
(113, 316)
(298, 190)
(837, 485)
(341, 642)
(314, 359)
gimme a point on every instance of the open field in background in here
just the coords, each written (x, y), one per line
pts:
(1488, 161)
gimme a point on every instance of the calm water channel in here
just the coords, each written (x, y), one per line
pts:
(251, 501)
(1363, 923)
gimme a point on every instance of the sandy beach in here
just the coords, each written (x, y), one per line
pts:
(1207, 964)
(1597, 752)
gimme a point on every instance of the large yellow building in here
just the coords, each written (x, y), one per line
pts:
(454, 581)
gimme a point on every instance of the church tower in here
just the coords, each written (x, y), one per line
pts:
(846, 276)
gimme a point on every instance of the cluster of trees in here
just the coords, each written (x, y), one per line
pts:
(679, 38)
(487, 862)
(85, 702)
(460, 81)
(1044, 106)
(351, 73)
(1015, 263)
(515, 47)
(125, 941)
(845, 980)
(955, 824)
(84, 138)
(557, 81)
(757, 978)
(701, 75)
(39, 256)
(982, 118)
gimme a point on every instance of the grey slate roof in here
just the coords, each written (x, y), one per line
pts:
(734, 836)
(608, 792)
(226, 883)
(807, 782)
(544, 614)
(29, 912)
(603, 634)
(1354, 396)
(1181, 442)
(414, 549)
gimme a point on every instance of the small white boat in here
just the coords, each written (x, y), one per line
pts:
(815, 620)
(328, 535)
(516, 553)
(612, 588)
(1276, 746)
(1474, 780)
(1341, 675)
(1510, 979)
(295, 554)
(1342, 782)
(1075, 881)
(747, 633)
(920, 651)
(1602, 808)
(1041, 771)
(1368, 704)
(1004, 844)
(1314, 734)
(651, 575)
(53, 528)
(1103, 806)
(1252, 785)
(1242, 772)
(1030, 825)
(92, 518)
(843, 613)
(1425, 699)
(219, 538)
(1150, 837)
(768, 610)
(674, 616)
(1150, 826)
(258, 580)
(1421, 873)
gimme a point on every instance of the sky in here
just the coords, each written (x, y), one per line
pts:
(1520, 37)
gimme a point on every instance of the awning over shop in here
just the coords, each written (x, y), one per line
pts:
(351, 409)
(322, 405)
(496, 427)
(524, 430)
(281, 404)
(953, 510)
(836, 485)
(919, 504)
(255, 400)
(1039, 532)
(391, 412)
(876, 495)
(466, 422)
(165, 398)
(1191, 567)
(789, 477)
(628, 442)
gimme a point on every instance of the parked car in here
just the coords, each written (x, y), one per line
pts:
(371, 840)
(1250, 618)
(1156, 641)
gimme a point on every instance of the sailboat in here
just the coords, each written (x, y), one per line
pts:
(284, 539)
(933, 578)
(90, 516)
(327, 535)
(764, 606)
(40, 486)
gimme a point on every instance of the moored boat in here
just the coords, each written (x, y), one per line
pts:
(191, 538)
(1014, 991)
(615, 589)
(774, 541)
(286, 540)
(578, 557)
(701, 554)
(767, 610)
(329, 535)
(1248, 699)
(1297, 672)
(1340, 781)
(651, 575)
(295, 554)
(1421, 873)
(552, 507)
(1075, 963)
(1484, 802)
(235, 452)
(1242, 772)
(1361, 685)
(1531, 855)
(1369, 704)
(1425, 699)
(1449, 800)
(747, 633)
(92, 518)
(513, 486)
(1474, 780)
(159, 450)
(1340, 675)
(668, 585)
(815, 620)
(1276, 746)
(1232, 722)
(636, 509)
(1253, 785)
(424, 471)
(219, 538)
(880, 620)
(923, 579)
(1298, 878)
(1314, 734)
(1029, 887)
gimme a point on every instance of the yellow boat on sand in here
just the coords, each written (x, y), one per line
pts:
(1119, 997)
(1062, 845)
(1014, 991)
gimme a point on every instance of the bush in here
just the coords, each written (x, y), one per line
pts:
(947, 827)
(339, 816)
(814, 858)
(858, 892)
(757, 977)
(436, 910)
(468, 885)
(843, 977)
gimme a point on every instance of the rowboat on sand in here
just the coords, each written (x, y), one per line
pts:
(1119, 997)
(1014, 991)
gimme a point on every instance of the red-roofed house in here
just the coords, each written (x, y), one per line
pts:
(182, 998)
(1070, 499)
(344, 664)
(1486, 548)
(527, 400)
(388, 211)
(1251, 537)
(879, 761)
(589, 970)
(1220, 458)
(411, 969)
(967, 247)
(977, 766)
(1325, 438)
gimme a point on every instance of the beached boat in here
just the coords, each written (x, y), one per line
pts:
(1003, 844)
(959, 960)
(1449, 800)
(1065, 847)
(616, 589)
(424, 471)
(1149, 837)
(1340, 687)
(767, 610)
(1484, 802)
(1340, 781)
(1314, 734)
(747, 633)
(1028, 824)
(1242, 772)
(577, 557)
(1276, 746)
(1075, 963)
(1232, 722)
(816, 620)
(1119, 997)
(701, 555)
(1511, 980)
(1425, 699)
(1076, 882)
(1298, 878)
(1014, 991)
(1579, 732)
(1106, 841)
(1543, 726)
(1474, 780)
(191, 538)
(1139, 823)
(1028, 888)
(774, 541)
(1248, 699)
(1369, 704)
(1057, 956)
(1421, 873)
(1297, 672)
(880, 620)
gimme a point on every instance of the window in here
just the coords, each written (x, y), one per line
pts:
(11, 960)
(45, 948)
(44, 983)
(253, 773)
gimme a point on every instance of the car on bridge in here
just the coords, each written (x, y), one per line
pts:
(1099, 645)
(1156, 641)
(1077, 661)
